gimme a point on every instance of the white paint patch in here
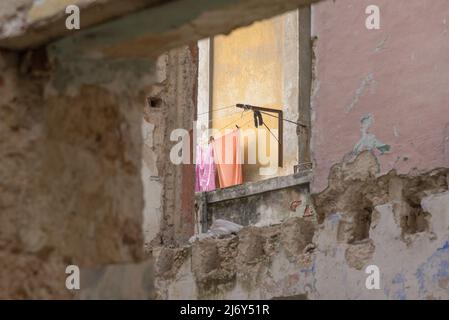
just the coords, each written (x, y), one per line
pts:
(396, 132)
(152, 187)
(369, 80)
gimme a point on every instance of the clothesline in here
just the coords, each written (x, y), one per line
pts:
(290, 121)
(224, 117)
(234, 121)
(263, 112)
(271, 132)
(249, 122)
(219, 109)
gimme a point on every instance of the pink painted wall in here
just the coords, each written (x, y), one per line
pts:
(398, 76)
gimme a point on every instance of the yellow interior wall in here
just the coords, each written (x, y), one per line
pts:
(248, 68)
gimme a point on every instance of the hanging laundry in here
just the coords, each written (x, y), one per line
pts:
(227, 159)
(205, 168)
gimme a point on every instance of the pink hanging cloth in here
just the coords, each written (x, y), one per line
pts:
(205, 169)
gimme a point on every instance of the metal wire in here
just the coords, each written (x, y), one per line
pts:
(225, 117)
(297, 123)
(215, 110)
(271, 132)
(235, 121)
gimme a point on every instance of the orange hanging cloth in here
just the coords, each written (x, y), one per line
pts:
(227, 159)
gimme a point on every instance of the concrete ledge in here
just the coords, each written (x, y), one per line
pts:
(149, 27)
(45, 21)
(253, 188)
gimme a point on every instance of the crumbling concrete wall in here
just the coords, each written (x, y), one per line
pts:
(71, 118)
(31, 24)
(70, 159)
(395, 222)
(261, 203)
(380, 90)
(29, 265)
(262, 209)
(89, 139)
(381, 95)
(70, 166)
(169, 188)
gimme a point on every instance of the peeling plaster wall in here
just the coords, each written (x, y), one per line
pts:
(263, 209)
(71, 160)
(29, 265)
(325, 256)
(81, 147)
(381, 90)
(69, 193)
(261, 203)
(13, 13)
(169, 188)
(70, 168)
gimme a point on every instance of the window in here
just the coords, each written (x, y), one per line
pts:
(259, 66)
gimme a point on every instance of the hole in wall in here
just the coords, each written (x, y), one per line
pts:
(154, 102)
(416, 220)
(361, 225)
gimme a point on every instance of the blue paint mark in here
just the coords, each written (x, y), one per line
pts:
(445, 246)
(398, 282)
(312, 269)
(443, 270)
(399, 278)
(436, 268)
(420, 276)
(334, 218)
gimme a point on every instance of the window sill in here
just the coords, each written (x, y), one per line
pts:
(254, 188)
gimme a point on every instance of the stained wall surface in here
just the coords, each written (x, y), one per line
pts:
(72, 135)
(379, 102)
(71, 160)
(398, 224)
(383, 90)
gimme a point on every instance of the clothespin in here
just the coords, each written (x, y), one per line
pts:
(258, 120)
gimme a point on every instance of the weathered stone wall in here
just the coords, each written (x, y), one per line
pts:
(389, 81)
(395, 222)
(169, 187)
(34, 23)
(261, 203)
(71, 192)
(263, 209)
(71, 124)
(29, 263)
(69, 167)
(380, 90)
(71, 159)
